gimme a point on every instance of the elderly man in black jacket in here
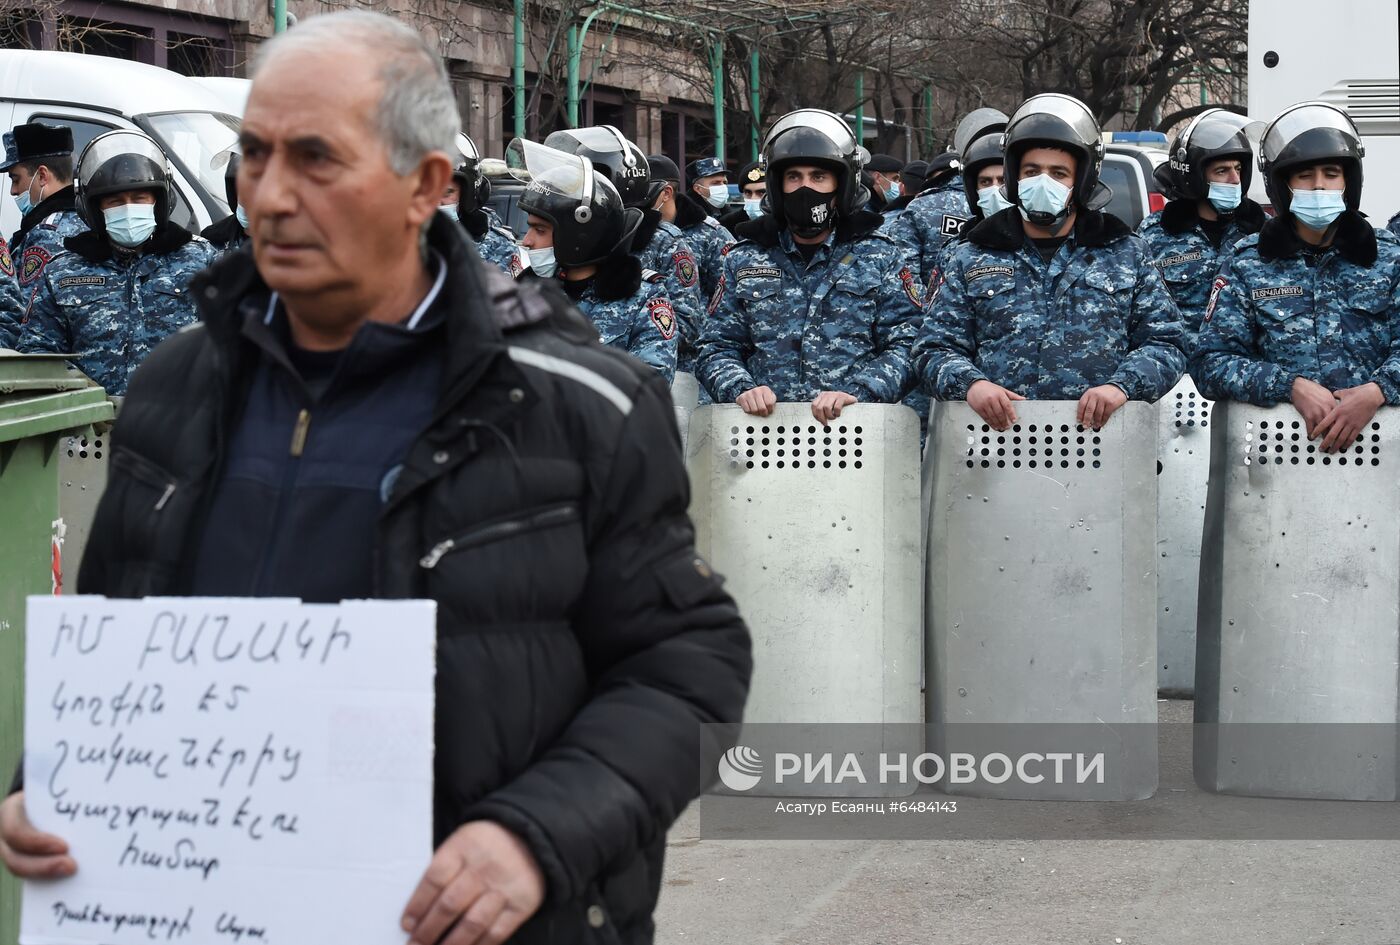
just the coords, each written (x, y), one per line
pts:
(366, 409)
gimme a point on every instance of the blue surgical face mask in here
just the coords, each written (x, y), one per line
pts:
(1042, 194)
(892, 193)
(991, 201)
(450, 210)
(542, 261)
(753, 206)
(131, 224)
(242, 216)
(719, 195)
(23, 202)
(1317, 209)
(1225, 197)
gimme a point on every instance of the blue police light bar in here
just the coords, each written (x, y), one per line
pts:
(1138, 137)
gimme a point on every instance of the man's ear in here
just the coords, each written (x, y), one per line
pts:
(430, 180)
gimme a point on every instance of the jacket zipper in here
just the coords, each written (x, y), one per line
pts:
(142, 470)
(544, 518)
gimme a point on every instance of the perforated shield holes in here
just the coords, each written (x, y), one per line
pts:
(1034, 446)
(800, 446)
(1285, 442)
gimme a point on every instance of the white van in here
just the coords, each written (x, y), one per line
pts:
(94, 94)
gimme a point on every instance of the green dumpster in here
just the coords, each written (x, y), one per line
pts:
(47, 411)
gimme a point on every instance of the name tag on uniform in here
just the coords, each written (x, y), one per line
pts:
(1178, 260)
(82, 280)
(759, 272)
(1276, 292)
(983, 271)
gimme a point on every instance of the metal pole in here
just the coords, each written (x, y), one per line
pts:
(279, 16)
(575, 53)
(860, 106)
(717, 76)
(519, 78)
(754, 143)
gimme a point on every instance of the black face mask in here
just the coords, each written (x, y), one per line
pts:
(808, 212)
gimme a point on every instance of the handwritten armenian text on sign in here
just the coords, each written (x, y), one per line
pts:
(228, 770)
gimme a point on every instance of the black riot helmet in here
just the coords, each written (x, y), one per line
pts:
(1211, 136)
(983, 152)
(1310, 133)
(473, 189)
(590, 222)
(114, 162)
(975, 125)
(1059, 121)
(612, 155)
(822, 139)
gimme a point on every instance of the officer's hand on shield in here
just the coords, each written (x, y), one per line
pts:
(27, 852)
(1313, 402)
(759, 401)
(828, 404)
(993, 404)
(1098, 404)
(1353, 409)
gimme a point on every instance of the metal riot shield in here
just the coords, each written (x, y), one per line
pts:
(1041, 591)
(685, 394)
(1298, 634)
(1183, 455)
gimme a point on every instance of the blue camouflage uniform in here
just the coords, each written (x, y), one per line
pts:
(660, 247)
(1394, 224)
(845, 321)
(709, 239)
(1186, 256)
(1097, 313)
(110, 310)
(1276, 314)
(497, 243)
(643, 324)
(38, 245)
(11, 306)
(929, 223)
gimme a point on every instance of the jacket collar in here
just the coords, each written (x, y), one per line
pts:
(651, 222)
(1354, 239)
(1182, 216)
(1004, 231)
(689, 210)
(226, 231)
(95, 247)
(56, 202)
(765, 230)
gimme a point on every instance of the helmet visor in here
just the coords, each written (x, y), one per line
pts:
(1069, 110)
(105, 147)
(466, 152)
(824, 122)
(1303, 118)
(1214, 129)
(551, 171)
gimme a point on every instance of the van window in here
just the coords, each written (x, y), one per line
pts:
(199, 143)
(1120, 174)
(84, 129)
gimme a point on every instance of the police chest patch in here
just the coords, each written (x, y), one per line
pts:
(33, 263)
(911, 288)
(81, 280)
(1215, 290)
(952, 225)
(981, 272)
(1168, 261)
(759, 272)
(685, 269)
(663, 317)
(1276, 292)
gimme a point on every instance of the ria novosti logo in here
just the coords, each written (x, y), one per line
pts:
(740, 768)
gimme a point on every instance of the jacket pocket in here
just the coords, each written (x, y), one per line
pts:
(147, 474)
(544, 517)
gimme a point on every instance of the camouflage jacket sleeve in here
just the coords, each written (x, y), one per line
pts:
(1156, 336)
(903, 230)
(46, 330)
(653, 333)
(725, 344)
(1387, 376)
(945, 355)
(1224, 364)
(683, 288)
(888, 373)
(11, 302)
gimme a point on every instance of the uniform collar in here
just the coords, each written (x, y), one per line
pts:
(56, 202)
(1355, 240)
(1004, 231)
(765, 230)
(95, 247)
(1183, 216)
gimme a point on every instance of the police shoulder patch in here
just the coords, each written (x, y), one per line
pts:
(81, 280)
(952, 225)
(718, 295)
(1215, 289)
(7, 263)
(516, 266)
(651, 275)
(663, 317)
(725, 251)
(935, 285)
(33, 263)
(685, 268)
(911, 287)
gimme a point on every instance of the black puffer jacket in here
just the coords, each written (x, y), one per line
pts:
(581, 642)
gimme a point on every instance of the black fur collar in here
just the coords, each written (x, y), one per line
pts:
(1004, 230)
(619, 276)
(690, 210)
(764, 230)
(1181, 216)
(95, 247)
(477, 223)
(1353, 238)
(651, 221)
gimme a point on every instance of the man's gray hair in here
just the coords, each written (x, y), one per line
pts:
(417, 112)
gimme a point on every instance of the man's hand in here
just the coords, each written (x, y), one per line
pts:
(827, 406)
(760, 401)
(1313, 402)
(484, 879)
(1353, 409)
(1098, 404)
(993, 404)
(26, 852)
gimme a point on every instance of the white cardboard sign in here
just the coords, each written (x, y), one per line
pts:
(228, 770)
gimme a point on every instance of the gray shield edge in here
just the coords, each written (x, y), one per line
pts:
(1184, 454)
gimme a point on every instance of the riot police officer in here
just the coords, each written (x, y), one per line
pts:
(658, 245)
(814, 304)
(1051, 299)
(121, 286)
(709, 182)
(753, 184)
(230, 233)
(1207, 177)
(39, 160)
(705, 234)
(580, 233)
(467, 203)
(1305, 310)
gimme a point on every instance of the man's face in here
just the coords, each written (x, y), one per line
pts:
(1225, 171)
(451, 195)
(20, 179)
(993, 175)
(1059, 165)
(883, 180)
(1319, 177)
(818, 178)
(702, 185)
(121, 199)
(325, 208)
(754, 191)
(539, 234)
